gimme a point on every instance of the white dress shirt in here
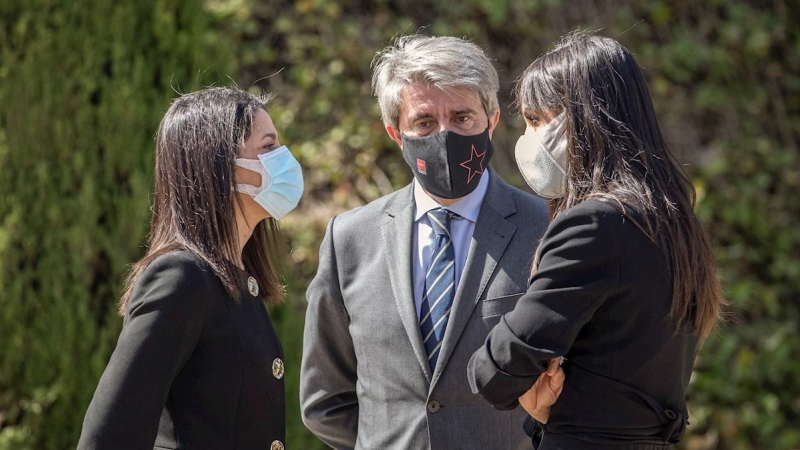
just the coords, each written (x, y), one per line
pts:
(461, 230)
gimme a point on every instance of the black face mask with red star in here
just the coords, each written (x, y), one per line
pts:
(448, 164)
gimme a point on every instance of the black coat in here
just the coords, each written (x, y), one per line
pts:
(601, 298)
(192, 368)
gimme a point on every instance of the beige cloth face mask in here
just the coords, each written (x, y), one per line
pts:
(541, 156)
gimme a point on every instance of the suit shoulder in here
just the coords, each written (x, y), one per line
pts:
(601, 212)
(523, 200)
(174, 278)
(529, 201)
(182, 262)
(367, 214)
(594, 206)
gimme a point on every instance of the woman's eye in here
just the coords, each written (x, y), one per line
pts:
(532, 122)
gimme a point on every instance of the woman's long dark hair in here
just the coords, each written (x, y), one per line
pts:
(617, 154)
(193, 207)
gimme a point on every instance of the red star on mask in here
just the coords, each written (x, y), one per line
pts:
(474, 164)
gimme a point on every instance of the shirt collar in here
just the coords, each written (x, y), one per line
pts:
(467, 206)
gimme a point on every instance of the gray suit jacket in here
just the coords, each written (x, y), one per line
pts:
(365, 381)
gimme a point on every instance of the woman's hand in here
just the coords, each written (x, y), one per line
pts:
(544, 393)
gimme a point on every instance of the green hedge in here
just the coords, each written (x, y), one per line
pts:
(83, 85)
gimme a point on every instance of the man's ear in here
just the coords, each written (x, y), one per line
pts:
(395, 134)
(493, 121)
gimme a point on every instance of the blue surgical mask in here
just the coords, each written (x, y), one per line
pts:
(281, 181)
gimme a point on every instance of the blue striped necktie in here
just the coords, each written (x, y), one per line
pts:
(440, 286)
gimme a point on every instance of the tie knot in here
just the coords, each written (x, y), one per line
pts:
(440, 221)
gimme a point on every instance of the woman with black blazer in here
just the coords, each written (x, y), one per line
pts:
(624, 286)
(198, 364)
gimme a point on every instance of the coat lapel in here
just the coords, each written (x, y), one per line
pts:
(489, 241)
(398, 248)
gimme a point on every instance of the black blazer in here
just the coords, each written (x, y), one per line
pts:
(192, 368)
(601, 298)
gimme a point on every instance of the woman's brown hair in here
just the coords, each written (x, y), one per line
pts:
(617, 154)
(193, 206)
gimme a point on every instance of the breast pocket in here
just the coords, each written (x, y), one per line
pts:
(493, 308)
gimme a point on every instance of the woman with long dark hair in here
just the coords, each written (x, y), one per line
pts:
(624, 286)
(198, 363)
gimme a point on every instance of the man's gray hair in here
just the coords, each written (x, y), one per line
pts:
(440, 62)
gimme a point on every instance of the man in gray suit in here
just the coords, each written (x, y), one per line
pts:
(409, 285)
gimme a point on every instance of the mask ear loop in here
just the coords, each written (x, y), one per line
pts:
(253, 165)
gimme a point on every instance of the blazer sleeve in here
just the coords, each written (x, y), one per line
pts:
(163, 322)
(578, 270)
(328, 400)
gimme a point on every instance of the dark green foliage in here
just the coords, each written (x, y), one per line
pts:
(728, 81)
(83, 86)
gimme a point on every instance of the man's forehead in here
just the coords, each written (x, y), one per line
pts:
(419, 97)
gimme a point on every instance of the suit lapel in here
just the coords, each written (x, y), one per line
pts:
(489, 241)
(398, 248)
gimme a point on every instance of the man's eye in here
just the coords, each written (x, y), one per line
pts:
(463, 119)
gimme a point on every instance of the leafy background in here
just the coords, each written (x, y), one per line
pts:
(83, 85)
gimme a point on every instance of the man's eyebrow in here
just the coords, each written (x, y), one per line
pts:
(269, 135)
(463, 111)
(420, 115)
